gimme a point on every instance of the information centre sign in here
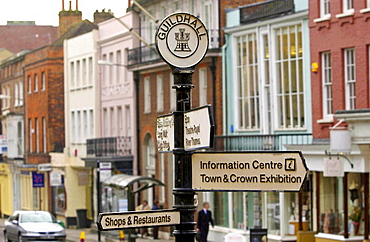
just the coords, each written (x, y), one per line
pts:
(248, 171)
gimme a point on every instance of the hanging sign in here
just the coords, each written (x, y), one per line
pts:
(182, 40)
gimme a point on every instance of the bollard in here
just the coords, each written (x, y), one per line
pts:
(121, 236)
(82, 236)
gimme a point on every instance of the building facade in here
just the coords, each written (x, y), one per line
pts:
(267, 106)
(340, 74)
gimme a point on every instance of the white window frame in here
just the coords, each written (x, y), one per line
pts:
(160, 93)
(78, 73)
(325, 9)
(90, 73)
(327, 81)
(147, 95)
(348, 6)
(73, 126)
(29, 84)
(78, 125)
(37, 135)
(91, 123)
(43, 81)
(112, 122)
(31, 134)
(20, 93)
(120, 122)
(72, 74)
(44, 134)
(280, 111)
(250, 122)
(16, 94)
(36, 83)
(128, 120)
(84, 72)
(203, 86)
(119, 67)
(85, 125)
(350, 78)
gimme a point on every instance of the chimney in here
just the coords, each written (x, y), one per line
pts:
(102, 16)
(67, 18)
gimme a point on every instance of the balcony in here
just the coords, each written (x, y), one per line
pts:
(265, 10)
(146, 55)
(260, 142)
(109, 147)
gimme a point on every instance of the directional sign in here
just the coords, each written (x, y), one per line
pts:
(138, 219)
(165, 133)
(198, 128)
(182, 40)
(248, 171)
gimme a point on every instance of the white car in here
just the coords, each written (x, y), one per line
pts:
(33, 226)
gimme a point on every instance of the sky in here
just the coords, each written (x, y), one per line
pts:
(45, 12)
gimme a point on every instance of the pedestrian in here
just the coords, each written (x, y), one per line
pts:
(155, 229)
(204, 218)
(143, 206)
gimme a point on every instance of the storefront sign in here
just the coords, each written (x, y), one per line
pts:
(182, 40)
(140, 219)
(252, 171)
(38, 179)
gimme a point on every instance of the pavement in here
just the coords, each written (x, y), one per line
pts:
(91, 235)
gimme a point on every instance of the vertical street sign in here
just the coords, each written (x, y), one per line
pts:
(165, 133)
(182, 41)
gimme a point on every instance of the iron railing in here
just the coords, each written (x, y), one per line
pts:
(109, 147)
(144, 54)
(265, 10)
(259, 142)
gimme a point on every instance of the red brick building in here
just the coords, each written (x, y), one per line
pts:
(339, 48)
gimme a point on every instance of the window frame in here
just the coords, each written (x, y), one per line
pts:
(327, 82)
(350, 84)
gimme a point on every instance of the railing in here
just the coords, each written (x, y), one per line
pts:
(264, 10)
(109, 147)
(259, 142)
(144, 54)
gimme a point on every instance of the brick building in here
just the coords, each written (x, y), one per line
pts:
(339, 52)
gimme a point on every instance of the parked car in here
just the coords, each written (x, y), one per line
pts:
(32, 226)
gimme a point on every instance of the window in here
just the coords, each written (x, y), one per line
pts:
(36, 83)
(128, 120)
(37, 135)
(90, 73)
(43, 81)
(327, 85)
(29, 84)
(247, 75)
(105, 122)
(160, 93)
(84, 72)
(111, 77)
(119, 67)
(120, 121)
(147, 95)
(172, 94)
(350, 78)
(289, 74)
(84, 117)
(30, 135)
(207, 14)
(324, 8)
(78, 73)
(348, 6)
(73, 126)
(16, 94)
(202, 86)
(20, 93)
(78, 122)
(91, 127)
(73, 74)
(191, 6)
(112, 122)
(44, 134)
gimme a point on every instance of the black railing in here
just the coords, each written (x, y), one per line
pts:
(259, 142)
(109, 147)
(265, 10)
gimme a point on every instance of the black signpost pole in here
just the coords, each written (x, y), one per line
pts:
(183, 191)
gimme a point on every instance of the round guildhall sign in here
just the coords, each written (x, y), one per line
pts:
(182, 40)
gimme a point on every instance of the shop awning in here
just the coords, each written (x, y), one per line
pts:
(122, 181)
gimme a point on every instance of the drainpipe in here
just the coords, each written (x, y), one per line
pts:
(224, 86)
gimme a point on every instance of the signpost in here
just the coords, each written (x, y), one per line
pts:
(139, 219)
(249, 171)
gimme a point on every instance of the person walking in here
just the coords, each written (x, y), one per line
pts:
(204, 218)
(155, 229)
(143, 206)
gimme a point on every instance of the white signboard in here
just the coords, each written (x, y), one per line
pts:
(165, 133)
(198, 129)
(44, 167)
(139, 219)
(105, 170)
(182, 40)
(55, 178)
(252, 171)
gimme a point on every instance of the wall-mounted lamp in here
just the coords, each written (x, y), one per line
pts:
(315, 67)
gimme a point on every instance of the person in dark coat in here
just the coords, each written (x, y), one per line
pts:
(204, 218)
(155, 229)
